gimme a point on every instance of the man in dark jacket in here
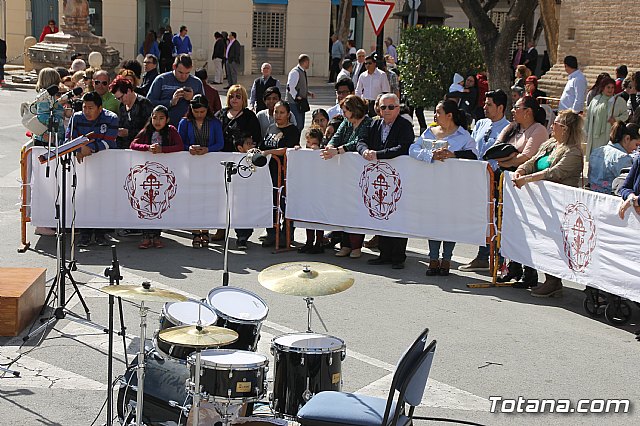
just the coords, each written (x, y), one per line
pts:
(531, 57)
(150, 74)
(388, 138)
(3, 59)
(233, 59)
(219, 50)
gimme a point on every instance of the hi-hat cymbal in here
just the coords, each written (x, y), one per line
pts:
(194, 337)
(144, 293)
(307, 279)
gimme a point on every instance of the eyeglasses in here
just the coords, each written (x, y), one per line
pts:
(99, 82)
(343, 92)
(235, 96)
(515, 108)
(368, 63)
(119, 98)
(390, 107)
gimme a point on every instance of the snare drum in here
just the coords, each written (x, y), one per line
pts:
(241, 311)
(305, 364)
(230, 375)
(182, 313)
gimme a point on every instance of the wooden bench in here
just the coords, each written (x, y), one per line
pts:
(22, 294)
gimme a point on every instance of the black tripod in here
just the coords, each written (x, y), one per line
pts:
(230, 169)
(63, 165)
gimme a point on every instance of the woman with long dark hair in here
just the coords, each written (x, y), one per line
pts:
(450, 127)
(606, 163)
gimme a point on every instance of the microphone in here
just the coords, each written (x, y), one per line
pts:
(49, 91)
(256, 158)
(77, 91)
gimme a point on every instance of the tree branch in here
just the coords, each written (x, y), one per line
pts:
(480, 20)
(490, 4)
(516, 16)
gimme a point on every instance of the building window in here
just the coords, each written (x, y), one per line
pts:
(498, 19)
(572, 34)
(268, 30)
(95, 17)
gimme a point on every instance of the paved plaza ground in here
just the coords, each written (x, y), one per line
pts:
(491, 342)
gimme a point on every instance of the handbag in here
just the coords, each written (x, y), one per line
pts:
(499, 150)
(30, 119)
(303, 105)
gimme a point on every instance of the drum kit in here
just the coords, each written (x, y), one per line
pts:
(204, 351)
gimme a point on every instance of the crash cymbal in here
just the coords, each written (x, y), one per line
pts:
(307, 279)
(193, 336)
(143, 293)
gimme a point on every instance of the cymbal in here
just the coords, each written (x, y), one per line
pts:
(307, 279)
(191, 336)
(143, 293)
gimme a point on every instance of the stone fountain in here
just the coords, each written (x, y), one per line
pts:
(74, 37)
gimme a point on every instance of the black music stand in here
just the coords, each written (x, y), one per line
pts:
(63, 156)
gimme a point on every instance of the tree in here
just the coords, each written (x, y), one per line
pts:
(495, 45)
(551, 28)
(430, 57)
(344, 19)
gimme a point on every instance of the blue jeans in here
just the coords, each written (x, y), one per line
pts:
(298, 115)
(447, 249)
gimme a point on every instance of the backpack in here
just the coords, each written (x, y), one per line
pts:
(30, 119)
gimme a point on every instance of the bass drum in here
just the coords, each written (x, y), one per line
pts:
(305, 364)
(241, 311)
(182, 313)
(164, 381)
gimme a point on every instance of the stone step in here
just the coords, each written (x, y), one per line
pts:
(554, 80)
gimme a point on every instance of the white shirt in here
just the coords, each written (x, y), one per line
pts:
(292, 80)
(574, 93)
(371, 85)
(334, 110)
(356, 72)
(343, 74)
(226, 54)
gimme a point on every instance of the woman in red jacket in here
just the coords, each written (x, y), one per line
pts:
(50, 28)
(158, 136)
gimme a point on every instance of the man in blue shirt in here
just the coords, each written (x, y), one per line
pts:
(175, 89)
(104, 125)
(485, 133)
(182, 42)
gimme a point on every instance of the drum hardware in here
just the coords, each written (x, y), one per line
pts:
(142, 293)
(309, 280)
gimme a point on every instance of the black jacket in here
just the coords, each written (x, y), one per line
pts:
(234, 52)
(147, 79)
(219, 49)
(532, 60)
(397, 143)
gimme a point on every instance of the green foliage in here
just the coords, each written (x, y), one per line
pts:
(430, 56)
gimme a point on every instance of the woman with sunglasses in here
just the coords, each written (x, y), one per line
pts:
(450, 128)
(558, 160)
(354, 127)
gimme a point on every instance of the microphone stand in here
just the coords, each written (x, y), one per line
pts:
(114, 276)
(230, 169)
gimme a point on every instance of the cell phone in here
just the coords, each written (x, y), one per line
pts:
(187, 89)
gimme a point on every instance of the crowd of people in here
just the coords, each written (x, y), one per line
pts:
(169, 110)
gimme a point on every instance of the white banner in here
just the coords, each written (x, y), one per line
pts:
(573, 234)
(140, 190)
(444, 200)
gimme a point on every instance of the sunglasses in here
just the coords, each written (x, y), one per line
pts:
(515, 108)
(99, 82)
(235, 96)
(368, 63)
(389, 107)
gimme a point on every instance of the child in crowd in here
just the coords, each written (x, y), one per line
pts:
(158, 136)
(314, 140)
(243, 142)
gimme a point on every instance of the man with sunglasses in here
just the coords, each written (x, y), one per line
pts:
(174, 89)
(101, 86)
(135, 110)
(388, 138)
(372, 83)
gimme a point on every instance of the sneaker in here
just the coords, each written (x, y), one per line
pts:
(476, 265)
(145, 244)
(129, 233)
(102, 241)
(157, 243)
(241, 244)
(85, 240)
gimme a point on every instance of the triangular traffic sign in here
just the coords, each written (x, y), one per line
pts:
(378, 12)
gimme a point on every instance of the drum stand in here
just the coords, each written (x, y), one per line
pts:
(141, 359)
(310, 305)
(197, 395)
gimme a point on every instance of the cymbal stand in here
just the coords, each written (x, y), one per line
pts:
(114, 276)
(141, 358)
(310, 306)
(197, 396)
